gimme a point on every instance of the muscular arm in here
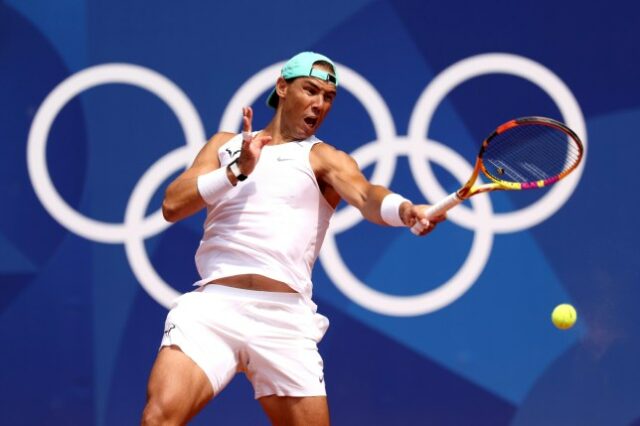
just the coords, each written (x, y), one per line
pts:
(182, 198)
(341, 174)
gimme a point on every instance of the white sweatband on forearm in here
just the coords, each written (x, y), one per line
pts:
(390, 209)
(213, 185)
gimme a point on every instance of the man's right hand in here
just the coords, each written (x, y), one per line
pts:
(251, 146)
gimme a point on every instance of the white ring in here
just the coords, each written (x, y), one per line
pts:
(384, 151)
(497, 63)
(140, 263)
(37, 144)
(437, 298)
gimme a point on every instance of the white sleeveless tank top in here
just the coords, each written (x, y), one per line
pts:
(272, 224)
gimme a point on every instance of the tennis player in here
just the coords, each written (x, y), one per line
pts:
(269, 197)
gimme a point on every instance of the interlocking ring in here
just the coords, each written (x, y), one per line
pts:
(383, 151)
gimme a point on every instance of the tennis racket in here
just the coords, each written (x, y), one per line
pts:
(525, 153)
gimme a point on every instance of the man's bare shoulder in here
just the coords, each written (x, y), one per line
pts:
(327, 152)
(216, 141)
(221, 138)
(325, 156)
(208, 154)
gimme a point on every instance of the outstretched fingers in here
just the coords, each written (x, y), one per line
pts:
(251, 145)
(247, 118)
(247, 136)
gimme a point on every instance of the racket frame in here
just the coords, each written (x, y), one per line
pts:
(469, 189)
(498, 184)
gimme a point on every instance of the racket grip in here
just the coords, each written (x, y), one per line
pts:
(437, 209)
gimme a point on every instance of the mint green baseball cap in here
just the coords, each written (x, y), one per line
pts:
(301, 65)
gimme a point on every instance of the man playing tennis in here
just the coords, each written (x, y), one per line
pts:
(269, 197)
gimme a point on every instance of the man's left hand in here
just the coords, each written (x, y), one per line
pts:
(412, 213)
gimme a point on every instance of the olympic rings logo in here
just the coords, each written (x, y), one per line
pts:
(384, 151)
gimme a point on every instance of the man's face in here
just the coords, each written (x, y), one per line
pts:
(308, 100)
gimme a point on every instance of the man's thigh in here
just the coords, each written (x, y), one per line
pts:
(177, 388)
(296, 411)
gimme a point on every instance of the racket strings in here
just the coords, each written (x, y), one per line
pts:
(557, 144)
(529, 153)
(540, 140)
(528, 163)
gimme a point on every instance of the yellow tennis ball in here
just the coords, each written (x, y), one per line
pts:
(564, 316)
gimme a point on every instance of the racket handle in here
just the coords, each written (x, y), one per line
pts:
(437, 209)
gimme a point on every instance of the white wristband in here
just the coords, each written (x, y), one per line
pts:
(390, 209)
(213, 185)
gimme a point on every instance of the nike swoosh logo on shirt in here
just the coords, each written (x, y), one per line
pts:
(232, 153)
(284, 159)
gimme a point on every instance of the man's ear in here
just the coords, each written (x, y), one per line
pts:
(281, 87)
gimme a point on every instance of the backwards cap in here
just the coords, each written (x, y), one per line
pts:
(301, 65)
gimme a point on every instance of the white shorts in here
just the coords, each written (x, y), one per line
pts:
(270, 336)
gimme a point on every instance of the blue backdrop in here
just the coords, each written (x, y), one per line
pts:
(102, 103)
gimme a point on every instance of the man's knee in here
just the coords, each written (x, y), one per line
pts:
(171, 406)
(307, 411)
(155, 414)
(164, 410)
